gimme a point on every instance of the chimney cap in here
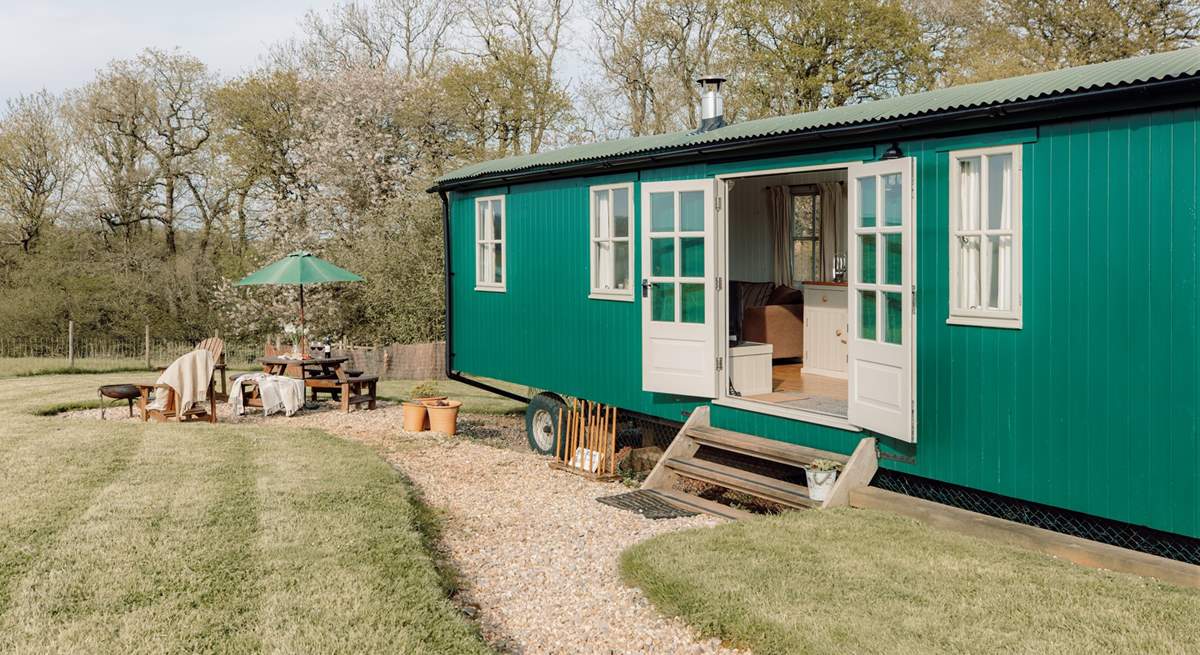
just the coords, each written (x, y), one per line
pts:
(705, 80)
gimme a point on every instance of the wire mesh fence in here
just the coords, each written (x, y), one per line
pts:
(86, 352)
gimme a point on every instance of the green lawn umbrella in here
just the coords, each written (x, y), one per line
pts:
(300, 268)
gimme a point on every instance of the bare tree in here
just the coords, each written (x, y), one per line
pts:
(408, 35)
(35, 169)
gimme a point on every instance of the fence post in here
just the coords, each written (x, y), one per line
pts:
(71, 344)
(147, 346)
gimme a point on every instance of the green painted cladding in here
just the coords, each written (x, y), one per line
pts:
(1091, 406)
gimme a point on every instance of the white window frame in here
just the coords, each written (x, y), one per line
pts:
(487, 282)
(978, 317)
(601, 293)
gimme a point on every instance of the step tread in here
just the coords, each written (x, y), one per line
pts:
(769, 449)
(762, 486)
(692, 503)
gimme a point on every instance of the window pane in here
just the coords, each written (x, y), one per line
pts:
(601, 214)
(893, 199)
(481, 254)
(866, 314)
(691, 211)
(866, 201)
(893, 258)
(1000, 273)
(497, 217)
(691, 257)
(482, 224)
(620, 203)
(602, 275)
(893, 316)
(662, 257)
(968, 272)
(662, 212)
(968, 194)
(804, 223)
(498, 255)
(662, 301)
(867, 258)
(804, 260)
(999, 215)
(621, 265)
(692, 302)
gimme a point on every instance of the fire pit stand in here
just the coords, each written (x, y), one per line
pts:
(118, 392)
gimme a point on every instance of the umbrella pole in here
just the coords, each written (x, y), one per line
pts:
(303, 333)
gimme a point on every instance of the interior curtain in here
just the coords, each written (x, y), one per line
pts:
(833, 220)
(779, 209)
(1004, 256)
(970, 247)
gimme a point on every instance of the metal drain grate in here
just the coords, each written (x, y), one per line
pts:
(1124, 535)
(647, 503)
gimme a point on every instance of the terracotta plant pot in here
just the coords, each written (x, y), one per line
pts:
(415, 417)
(431, 399)
(444, 417)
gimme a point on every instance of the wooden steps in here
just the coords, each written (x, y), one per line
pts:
(761, 486)
(768, 449)
(682, 461)
(702, 505)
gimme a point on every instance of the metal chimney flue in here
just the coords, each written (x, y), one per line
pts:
(712, 106)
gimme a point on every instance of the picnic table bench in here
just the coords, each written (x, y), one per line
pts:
(328, 375)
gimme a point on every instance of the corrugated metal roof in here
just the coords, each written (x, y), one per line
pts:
(1123, 72)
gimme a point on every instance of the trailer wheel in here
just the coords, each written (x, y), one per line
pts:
(541, 422)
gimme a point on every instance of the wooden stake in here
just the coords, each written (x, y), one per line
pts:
(558, 436)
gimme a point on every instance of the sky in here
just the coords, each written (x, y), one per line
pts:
(59, 44)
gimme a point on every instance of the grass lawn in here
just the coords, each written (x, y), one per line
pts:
(857, 581)
(130, 538)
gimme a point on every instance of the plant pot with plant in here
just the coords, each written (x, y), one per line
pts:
(443, 415)
(821, 475)
(426, 392)
(416, 417)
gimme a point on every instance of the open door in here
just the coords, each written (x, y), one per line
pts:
(678, 298)
(882, 283)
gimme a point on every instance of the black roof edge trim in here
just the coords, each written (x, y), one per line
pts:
(1098, 101)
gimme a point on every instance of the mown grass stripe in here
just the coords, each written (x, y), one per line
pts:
(162, 557)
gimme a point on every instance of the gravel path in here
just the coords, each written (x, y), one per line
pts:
(536, 553)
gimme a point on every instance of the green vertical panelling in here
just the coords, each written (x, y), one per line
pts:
(1091, 406)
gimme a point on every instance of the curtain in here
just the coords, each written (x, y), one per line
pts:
(833, 222)
(969, 247)
(779, 210)
(1004, 247)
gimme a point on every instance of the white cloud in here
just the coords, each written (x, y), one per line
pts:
(59, 44)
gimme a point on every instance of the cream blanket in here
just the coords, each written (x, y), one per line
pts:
(189, 377)
(278, 392)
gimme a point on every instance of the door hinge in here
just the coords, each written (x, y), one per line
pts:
(717, 202)
(720, 363)
(914, 299)
(718, 284)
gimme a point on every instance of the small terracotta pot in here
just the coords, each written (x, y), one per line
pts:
(444, 418)
(415, 417)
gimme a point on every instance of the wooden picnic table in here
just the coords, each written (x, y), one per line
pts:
(328, 375)
(316, 367)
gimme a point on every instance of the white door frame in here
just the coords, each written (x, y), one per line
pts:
(722, 249)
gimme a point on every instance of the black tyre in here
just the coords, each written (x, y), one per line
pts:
(541, 422)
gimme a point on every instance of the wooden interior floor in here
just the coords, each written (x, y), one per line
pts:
(791, 377)
(791, 387)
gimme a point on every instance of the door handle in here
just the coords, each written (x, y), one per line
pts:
(645, 288)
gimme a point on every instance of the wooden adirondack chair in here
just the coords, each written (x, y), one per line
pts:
(216, 346)
(198, 412)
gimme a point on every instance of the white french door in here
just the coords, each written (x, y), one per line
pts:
(882, 282)
(678, 296)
